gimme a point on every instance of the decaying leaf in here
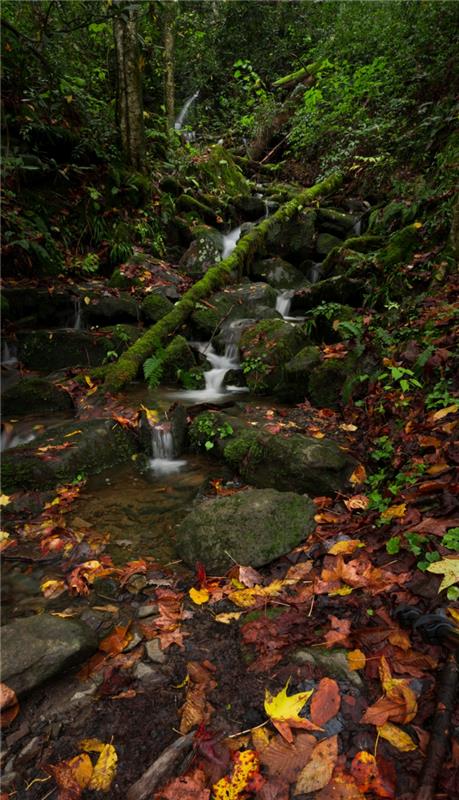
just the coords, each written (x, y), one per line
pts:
(196, 708)
(364, 769)
(398, 704)
(245, 778)
(356, 659)
(188, 787)
(318, 771)
(105, 768)
(280, 758)
(346, 547)
(326, 701)
(398, 738)
(449, 568)
(9, 706)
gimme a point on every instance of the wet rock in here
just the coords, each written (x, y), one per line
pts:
(108, 309)
(32, 395)
(278, 273)
(252, 528)
(293, 240)
(327, 381)
(155, 307)
(337, 289)
(154, 652)
(35, 648)
(177, 356)
(333, 221)
(99, 444)
(265, 349)
(249, 207)
(196, 209)
(249, 300)
(39, 306)
(147, 610)
(205, 251)
(297, 373)
(71, 348)
(160, 274)
(326, 242)
(333, 663)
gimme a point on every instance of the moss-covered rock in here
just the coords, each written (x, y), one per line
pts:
(171, 186)
(400, 246)
(47, 350)
(252, 528)
(246, 301)
(249, 207)
(32, 395)
(205, 251)
(108, 309)
(338, 289)
(327, 382)
(326, 242)
(218, 173)
(297, 373)
(155, 306)
(196, 209)
(331, 220)
(98, 445)
(39, 306)
(265, 349)
(178, 356)
(278, 273)
(294, 239)
(119, 280)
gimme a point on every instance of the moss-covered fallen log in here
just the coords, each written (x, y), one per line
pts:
(129, 364)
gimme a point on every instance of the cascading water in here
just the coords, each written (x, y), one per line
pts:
(314, 272)
(184, 111)
(230, 241)
(357, 227)
(77, 317)
(283, 302)
(214, 378)
(162, 445)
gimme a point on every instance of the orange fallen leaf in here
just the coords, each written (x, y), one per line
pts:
(326, 701)
(9, 706)
(364, 769)
(346, 547)
(359, 475)
(318, 771)
(356, 659)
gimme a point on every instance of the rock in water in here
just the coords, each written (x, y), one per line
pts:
(254, 527)
(35, 648)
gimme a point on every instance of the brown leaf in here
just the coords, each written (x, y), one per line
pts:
(341, 787)
(340, 629)
(318, 771)
(285, 760)
(196, 708)
(188, 787)
(9, 706)
(325, 701)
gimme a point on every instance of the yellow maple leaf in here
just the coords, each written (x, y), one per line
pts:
(82, 769)
(342, 591)
(151, 415)
(4, 499)
(449, 568)
(226, 619)
(283, 711)
(244, 598)
(105, 769)
(52, 588)
(398, 738)
(199, 596)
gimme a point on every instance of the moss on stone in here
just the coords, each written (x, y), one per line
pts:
(198, 209)
(155, 306)
(400, 247)
(120, 281)
(327, 382)
(178, 356)
(32, 395)
(243, 451)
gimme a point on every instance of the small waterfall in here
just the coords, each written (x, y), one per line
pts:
(162, 445)
(214, 378)
(8, 439)
(357, 228)
(9, 354)
(314, 272)
(230, 240)
(283, 302)
(77, 326)
(184, 111)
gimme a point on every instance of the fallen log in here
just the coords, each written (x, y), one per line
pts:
(130, 362)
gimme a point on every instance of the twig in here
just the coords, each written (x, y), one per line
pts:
(160, 769)
(440, 729)
(248, 730)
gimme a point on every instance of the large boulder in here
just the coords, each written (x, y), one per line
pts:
(32, 395)
(297, 374)
(328, 380)
(249, 206)
(103, 308)
(43, 349)
(293, 240)
(331, 220)
(155, 306)
(36, 306)
(36, 648)
(143, 269)
(265, 349)
(287, 462)
(249, 300)
(204, 252)
(326, 242)
(338, 289)
(278, 273)
(68, 450)
(252, 527)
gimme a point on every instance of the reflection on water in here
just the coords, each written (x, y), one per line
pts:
(139, 510)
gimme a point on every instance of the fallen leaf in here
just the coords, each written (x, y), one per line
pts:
(319, 769)
(283, 711)
(364, 769)
(359, 475)
(4, 499)
(393, 512)
(340, 629)
(346, 547)
(356, 659)
(196, 708)
(326, 701)
(398, 738)
(358, 501)
(281, 758)
(443, 412)
(9, 706)
(199, 596)
(245, 778)
(105, 768)
(116, 641)
(52, 588)
(449, 568)
(226, 619)
(187, 787)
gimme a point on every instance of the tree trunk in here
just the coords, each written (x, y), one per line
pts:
(129, 84)
(169, 12)
(127, 367)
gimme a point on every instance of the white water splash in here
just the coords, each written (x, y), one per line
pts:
(283, 302)
(9, 354)
(162, 444)
(230, 241)
(214, 378)
(77, 318)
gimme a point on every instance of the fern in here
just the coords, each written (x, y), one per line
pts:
(153, 368)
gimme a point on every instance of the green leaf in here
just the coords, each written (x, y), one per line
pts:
(393, 545)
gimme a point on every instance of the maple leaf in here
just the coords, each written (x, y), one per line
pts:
(340, 629)
(399, 703)
(245, 778)
(105, 768)
(199, 596)
(449, 568)
(4, 499)
(319, 769)
(283, 711)
(356, 659)
(364, 769)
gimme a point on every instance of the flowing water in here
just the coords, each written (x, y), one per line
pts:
(184, 111)
(162, 444)
(214, 377)
(230, 241)
(283, 302)
(77, 326)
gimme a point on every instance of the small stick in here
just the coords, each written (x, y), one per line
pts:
(157, 772)
(440, 730)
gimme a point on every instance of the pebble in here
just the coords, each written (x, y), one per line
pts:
(147, 610)
(154, 652)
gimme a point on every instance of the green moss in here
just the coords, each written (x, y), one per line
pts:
(400, 247)
(33, 395)
(120, 281)
(198, 209)
(243, 448)
(327, 382)
(219, 173)
(154, 307)
(178, 356)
